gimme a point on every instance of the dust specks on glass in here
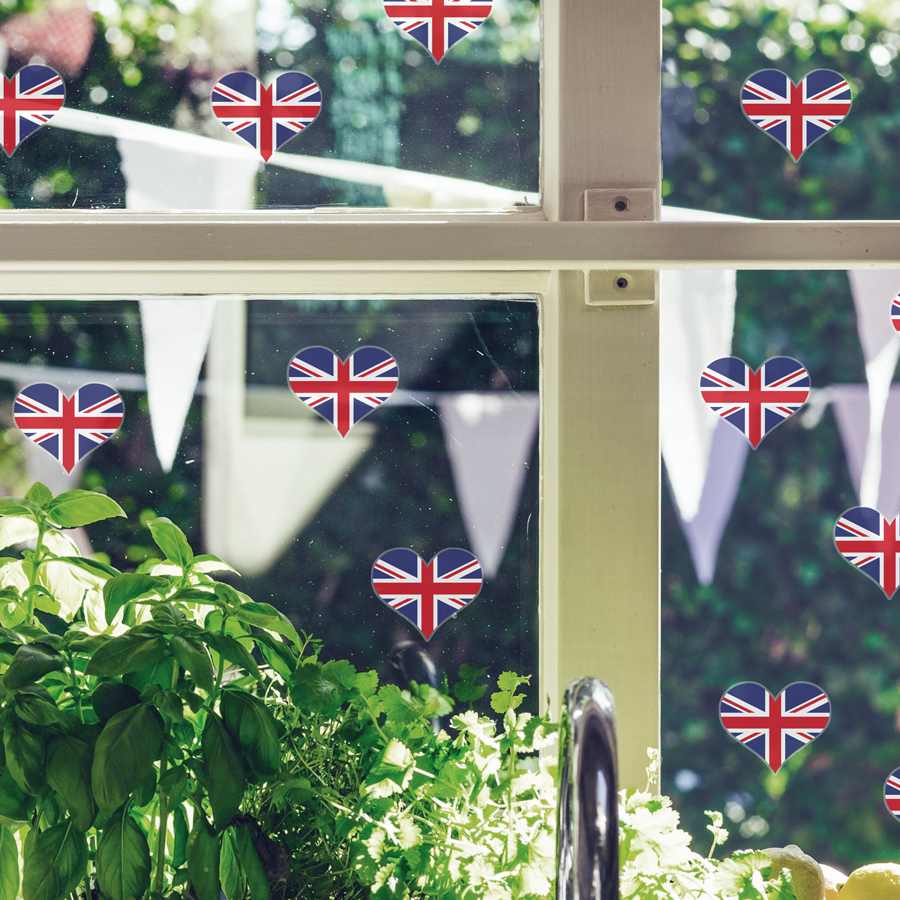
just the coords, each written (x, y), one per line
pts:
(473, 119)
(446, 466)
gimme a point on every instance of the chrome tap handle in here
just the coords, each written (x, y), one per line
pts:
(587, 848)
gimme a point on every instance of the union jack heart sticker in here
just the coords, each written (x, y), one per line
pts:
(428, 594)
(870, 543)
(68, 428)
(892, 793)
(266, 117)
(437, 24)
(774, 728)
(796, 115)
(30, 99)
(895, 313)
(754, 402)
(342, 393)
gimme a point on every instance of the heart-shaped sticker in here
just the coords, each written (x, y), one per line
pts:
(774, 728)
(266, 117)
(870, 543)
(428, 594)
(796, 115)
(437, 24)
(30, 99)
(68, 428)
(342, 393)
(892, 793)
(754, 402)
(895, 312)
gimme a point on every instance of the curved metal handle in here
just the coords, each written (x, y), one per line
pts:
(588, 819)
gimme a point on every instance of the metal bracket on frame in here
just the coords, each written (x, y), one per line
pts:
(612, 287)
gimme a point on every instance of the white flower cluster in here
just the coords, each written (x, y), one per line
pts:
(657, 862)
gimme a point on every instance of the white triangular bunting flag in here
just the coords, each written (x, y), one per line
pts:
(489, 440)
(851, 410)
(696, 321)
(873, 291)
(176, 333)
(727, 458)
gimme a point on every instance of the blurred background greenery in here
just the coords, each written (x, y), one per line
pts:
(784, 607)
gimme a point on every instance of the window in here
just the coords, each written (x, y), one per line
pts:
(599, 601)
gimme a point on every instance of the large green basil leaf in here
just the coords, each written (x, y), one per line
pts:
(75, 508)
(180, 828)
(111, 697)
(9, 865)
(203, 859)
(69, 774)
(257, 880)
(223, 771)
(123, 588)
(15, 804)
(125, 752)
(264, 615)
(128, 653)
(31, 663)
(191, 654)
(171, 540)
(44, 713)
(123, 858)
(55, 862)
(234, 882)
(251, 723)
(24, 748)
(39, 493)
(234, 651)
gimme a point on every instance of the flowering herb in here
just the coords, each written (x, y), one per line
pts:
(657, 862)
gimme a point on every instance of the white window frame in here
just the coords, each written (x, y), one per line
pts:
(599, 600)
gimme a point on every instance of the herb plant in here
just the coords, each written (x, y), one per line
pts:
(126, 749)
(375, 802)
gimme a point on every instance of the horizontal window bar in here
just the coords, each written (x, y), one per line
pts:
(154, 244)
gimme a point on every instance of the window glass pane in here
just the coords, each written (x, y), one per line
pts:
(270, 486)
(386, 104)
(717, 160)
(783, 606)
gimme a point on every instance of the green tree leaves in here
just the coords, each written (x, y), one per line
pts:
(55, 861)
(124, 754)
(123, 858)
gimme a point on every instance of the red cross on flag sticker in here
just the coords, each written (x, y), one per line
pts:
(796, 115)
(28, 101)
(437, 24)
(266, 117)
(774, 728)
(871, 543)
(342, 393)
(427, 594)
(754, 402)
(68, 428)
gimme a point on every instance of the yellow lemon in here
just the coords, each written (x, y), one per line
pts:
(880, 881)
(834, 881)
(806, 873)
